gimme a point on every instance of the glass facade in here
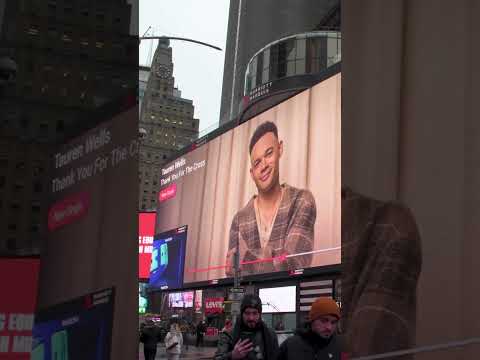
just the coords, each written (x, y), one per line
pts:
(300, 54)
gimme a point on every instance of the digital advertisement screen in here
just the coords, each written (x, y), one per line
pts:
(142, 298)
(78, 329)
(180, 299)
(92, 221)
(168, 254)
(146, 231)
(198, 300)
(18, 299)
(270, 186)
(278, 299)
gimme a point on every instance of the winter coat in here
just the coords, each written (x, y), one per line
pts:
(307, 345)
(227, 341)
(172, 338)
(150, 336)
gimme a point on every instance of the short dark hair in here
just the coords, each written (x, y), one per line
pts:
(261, 130)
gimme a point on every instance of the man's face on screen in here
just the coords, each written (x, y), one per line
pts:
(265, 160)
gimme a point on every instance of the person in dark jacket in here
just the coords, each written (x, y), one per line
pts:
(250, 339)
(318, 340)
(201, 328)
(150, 336)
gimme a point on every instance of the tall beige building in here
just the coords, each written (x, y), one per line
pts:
(166, 124)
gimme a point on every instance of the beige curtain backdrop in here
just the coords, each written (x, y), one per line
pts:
(410, 132)
(309, 125)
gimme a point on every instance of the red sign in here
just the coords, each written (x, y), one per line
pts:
(211, 331)
(68, 210)
(214, 305)
(168, 193)
(146, 231)
(17, 306)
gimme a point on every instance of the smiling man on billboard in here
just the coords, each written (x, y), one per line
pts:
(277, 222)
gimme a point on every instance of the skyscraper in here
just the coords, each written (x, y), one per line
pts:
(166, 124)
(253, 25)
(73, 60)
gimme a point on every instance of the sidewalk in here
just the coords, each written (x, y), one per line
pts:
(201, 353)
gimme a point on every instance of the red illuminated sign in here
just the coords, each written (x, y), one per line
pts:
(17, 306)
(168, 193)
(68, 210)
(214, 305)
(146, 231)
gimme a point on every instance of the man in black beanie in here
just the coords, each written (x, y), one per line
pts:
(250, 339)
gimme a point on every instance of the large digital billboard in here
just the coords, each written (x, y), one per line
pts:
(18, 299)
(146, 231)
(270, 186)
(77, 329)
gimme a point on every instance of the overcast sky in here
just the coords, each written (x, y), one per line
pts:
(198, 70)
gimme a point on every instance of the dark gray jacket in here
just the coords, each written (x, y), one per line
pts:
(306, 345)
(227, 341)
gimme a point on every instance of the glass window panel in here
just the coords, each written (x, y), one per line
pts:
(300, 66)
(265, 75)
(291, 68)
(290, 49)
(266, 59)
(259, 71)
(301, 48)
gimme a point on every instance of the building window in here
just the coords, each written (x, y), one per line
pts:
(37, 187)
(11, 244)
(18, 187)
(14, 206)
(12, 227)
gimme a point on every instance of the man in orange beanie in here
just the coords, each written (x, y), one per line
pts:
(318, 340)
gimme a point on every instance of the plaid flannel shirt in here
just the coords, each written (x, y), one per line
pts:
(292, 233)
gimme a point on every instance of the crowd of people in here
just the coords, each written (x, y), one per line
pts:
(251, 339)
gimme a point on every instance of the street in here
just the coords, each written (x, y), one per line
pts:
(192, 353)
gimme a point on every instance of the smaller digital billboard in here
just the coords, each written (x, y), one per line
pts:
(278, 299)
(198, 300)
(78, 329)
(168, 255)
(142, 298)
(182, 299)
(146, 231)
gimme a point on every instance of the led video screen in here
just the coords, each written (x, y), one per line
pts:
(146, 231)
(270, 186)
(166, 270)
(18, 299)
(182, 299)
(278, 299)
(77, 329)
(142, 298)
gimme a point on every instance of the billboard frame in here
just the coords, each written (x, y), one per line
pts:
(326, 270)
